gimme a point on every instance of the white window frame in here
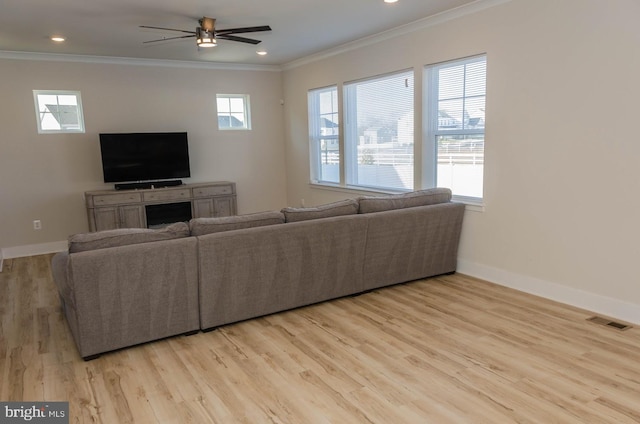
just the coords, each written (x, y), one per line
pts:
(41, 113)
(246, 112)
(432, 131)
(317, 137)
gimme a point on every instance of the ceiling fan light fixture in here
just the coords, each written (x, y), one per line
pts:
(205, 38)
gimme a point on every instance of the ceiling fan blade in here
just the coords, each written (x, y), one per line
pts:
(168, 38)
(243, 30)
(240, 39)
(168, 29)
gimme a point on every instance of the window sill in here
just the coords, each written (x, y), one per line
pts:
(472, 204)
(351, 189)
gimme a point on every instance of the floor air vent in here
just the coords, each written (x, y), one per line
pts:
(607, 322)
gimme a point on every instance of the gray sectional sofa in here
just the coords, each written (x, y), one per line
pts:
(124, 287)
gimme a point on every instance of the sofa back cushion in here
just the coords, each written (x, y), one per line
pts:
(125, 236)
(342, 207)
(202, 226)
(426, 197)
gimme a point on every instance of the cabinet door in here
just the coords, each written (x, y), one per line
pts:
(106, 218)
(132, 217)
(224, 206)
(203, 208)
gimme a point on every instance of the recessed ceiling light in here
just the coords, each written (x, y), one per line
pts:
(390, 1)
(262, 52)
(57, 39)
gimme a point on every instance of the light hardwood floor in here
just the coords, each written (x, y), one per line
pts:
(451, 349)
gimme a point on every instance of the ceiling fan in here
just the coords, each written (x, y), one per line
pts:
(207, 35)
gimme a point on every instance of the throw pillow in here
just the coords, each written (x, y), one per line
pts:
(125, 236)
(202, 226)
(426, 197)
(343, 207)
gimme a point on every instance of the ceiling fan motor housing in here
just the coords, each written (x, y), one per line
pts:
(207, 24)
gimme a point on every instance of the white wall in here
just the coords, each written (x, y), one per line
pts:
(561, 171)
(43, 176)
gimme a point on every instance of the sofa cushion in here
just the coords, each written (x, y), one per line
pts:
(125, 236)
(426, 197)
(343, 207)
(202, 226)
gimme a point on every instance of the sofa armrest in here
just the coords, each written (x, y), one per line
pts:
(134, 294)
(412, 243)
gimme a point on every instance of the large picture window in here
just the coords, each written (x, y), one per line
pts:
(324, 135)
(455, 108)
(379, 132)
(365, 140)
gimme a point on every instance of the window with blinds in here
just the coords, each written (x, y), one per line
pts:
(324, 135)
(375, 150)
(455, 97)
(379, 116)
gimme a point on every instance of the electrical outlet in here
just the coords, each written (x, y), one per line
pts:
(37, 225)
(302, 202)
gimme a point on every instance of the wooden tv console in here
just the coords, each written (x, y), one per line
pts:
(148, 208)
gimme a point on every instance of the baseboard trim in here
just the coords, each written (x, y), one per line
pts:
(33, 250)
(604, 305)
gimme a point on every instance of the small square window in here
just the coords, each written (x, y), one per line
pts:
(58, 111)
(233, 112)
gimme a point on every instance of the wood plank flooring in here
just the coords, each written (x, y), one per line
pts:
(451, 349)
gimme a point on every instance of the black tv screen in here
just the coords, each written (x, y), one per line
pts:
(144, 156)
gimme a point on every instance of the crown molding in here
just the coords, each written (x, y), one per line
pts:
(430, 21)
(56, 57)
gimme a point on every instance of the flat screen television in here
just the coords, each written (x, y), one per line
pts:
(128, 157)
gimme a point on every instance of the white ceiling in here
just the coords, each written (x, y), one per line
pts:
(111, 27)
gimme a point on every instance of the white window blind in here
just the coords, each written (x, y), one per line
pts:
(456, 116)
(379, 132)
